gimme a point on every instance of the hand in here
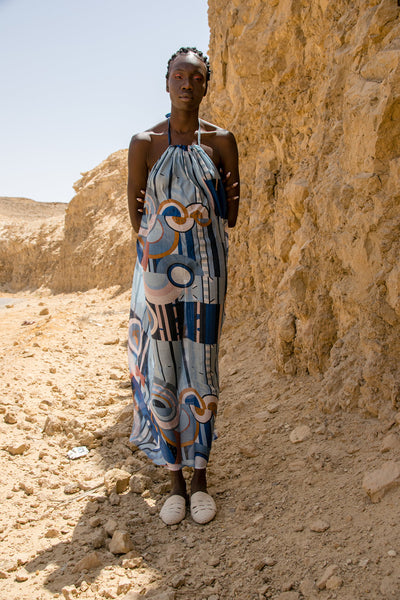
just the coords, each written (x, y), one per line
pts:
(140, 201)
(228, 186)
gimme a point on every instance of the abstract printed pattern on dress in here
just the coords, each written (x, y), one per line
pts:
(177, 305)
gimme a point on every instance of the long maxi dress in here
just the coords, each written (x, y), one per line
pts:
(177, 306)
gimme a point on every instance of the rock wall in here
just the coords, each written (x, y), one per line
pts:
(311, 90)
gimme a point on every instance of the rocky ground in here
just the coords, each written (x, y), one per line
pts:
(295, 521)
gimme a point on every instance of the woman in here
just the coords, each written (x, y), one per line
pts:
(180, 208)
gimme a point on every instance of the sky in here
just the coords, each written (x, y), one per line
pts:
(78, 78)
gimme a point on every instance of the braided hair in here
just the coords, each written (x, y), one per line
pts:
(198, 53)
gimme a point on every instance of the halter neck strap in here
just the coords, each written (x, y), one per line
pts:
(169, 133)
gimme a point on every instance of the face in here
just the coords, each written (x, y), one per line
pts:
(186, 82)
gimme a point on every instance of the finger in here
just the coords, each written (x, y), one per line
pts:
(141, 200)
(231, 187)
(143, 192)
(225, 176)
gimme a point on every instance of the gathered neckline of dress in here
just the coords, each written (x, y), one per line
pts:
(184, 147)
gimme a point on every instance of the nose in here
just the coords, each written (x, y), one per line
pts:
(186, 84)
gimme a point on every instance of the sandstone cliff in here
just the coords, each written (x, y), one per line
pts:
(312, 92)
(97, 248)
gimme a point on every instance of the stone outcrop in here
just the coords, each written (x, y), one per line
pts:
(312, 92)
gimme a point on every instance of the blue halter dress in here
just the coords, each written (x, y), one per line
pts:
(177, 306)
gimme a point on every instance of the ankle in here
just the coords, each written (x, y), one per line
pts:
(199, 481)
(178, 484)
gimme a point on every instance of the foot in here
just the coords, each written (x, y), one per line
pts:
(202, 508)
(173, 510)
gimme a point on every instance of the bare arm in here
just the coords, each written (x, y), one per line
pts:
(137, 177)
(230, 174)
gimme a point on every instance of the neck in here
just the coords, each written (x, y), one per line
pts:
(184, 121)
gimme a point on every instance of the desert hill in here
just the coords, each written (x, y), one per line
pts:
(30, 236)
(73, 247)
(25, 209)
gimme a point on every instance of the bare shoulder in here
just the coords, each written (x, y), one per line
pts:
(222, 137)
(212, 128)
(139, 147)
(226, 140)
(145, 138)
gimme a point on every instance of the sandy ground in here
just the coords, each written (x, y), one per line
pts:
(293, 520)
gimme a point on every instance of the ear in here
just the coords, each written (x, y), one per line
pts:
(205, 91)
(167, 86)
